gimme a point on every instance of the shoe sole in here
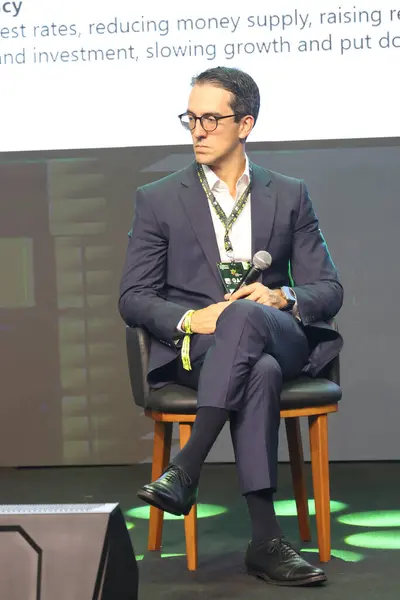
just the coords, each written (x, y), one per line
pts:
(313, 580)
(162, 504)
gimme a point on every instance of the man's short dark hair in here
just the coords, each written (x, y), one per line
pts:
(244, 90)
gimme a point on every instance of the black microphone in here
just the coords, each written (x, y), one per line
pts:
(261, 261)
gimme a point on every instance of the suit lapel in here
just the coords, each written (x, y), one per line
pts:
(197, 209)
(263, 208)
(195, 204)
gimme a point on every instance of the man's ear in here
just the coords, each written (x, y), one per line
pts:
(247, 124)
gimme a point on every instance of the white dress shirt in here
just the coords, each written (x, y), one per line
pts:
(240, 233)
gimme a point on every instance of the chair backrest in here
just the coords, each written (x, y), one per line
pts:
(138, 347)
(332, 369)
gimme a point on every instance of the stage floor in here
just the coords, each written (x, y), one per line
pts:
(356, 571)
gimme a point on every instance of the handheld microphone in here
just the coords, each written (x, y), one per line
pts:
(261, 261)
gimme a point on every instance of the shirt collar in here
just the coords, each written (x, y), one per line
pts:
(213, 179)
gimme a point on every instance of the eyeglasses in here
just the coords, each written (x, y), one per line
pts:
(208, 122)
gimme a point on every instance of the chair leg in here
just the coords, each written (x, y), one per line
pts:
(318, 426)
(295, 445)
(185, 429)
(161, 454)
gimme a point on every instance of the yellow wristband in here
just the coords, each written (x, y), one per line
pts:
(185, 352)
(187, 322)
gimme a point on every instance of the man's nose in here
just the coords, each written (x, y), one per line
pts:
(198, 132)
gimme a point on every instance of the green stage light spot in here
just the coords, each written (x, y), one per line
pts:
(141, 556)
(377, 540)
(378, 518)
(287, 508)
(203, 512)
(345, 555)
(130, 525)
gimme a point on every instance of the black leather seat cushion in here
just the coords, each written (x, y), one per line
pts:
(301, 393)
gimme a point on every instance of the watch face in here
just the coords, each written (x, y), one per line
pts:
(289, 297)
(287, 292)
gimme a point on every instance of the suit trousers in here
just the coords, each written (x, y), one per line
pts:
(241, 368)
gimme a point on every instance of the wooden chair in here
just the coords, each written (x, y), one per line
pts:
(303, 397)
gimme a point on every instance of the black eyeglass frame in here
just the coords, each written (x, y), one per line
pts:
(205, 116)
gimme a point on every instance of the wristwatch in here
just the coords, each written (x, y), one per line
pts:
(289, 296)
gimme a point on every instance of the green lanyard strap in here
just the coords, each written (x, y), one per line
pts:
(237, 209)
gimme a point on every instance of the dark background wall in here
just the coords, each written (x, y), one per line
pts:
(64, 218)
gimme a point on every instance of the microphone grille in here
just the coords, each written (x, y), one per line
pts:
(262, 260)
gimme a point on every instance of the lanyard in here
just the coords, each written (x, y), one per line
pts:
(237, 209)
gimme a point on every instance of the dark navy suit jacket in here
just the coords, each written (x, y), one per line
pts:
(172, 253)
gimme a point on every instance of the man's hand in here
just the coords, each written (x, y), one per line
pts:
(205, 319)
(259, 293)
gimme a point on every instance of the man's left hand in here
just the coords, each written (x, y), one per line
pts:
(259, 293)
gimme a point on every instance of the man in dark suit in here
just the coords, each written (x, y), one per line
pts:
(234, 348)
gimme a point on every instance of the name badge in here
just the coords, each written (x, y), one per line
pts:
(232, 273)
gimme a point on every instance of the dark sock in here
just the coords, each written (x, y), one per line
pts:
(207, 426)
(264, 524)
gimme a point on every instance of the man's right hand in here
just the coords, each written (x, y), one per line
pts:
(205, 320)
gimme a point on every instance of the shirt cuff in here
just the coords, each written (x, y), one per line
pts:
(179, 326)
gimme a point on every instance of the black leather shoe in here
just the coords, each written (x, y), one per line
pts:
(278, 563)
(173, 492)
